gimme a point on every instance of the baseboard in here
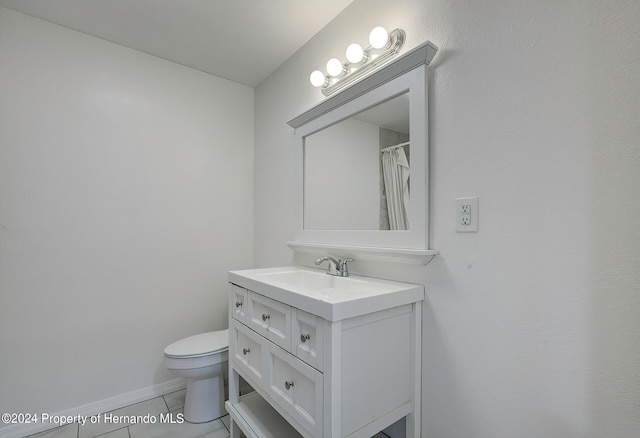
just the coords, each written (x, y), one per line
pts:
(98, 407)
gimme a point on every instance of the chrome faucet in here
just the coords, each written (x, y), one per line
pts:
(338, 268)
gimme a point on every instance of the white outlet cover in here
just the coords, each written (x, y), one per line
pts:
(467, 222)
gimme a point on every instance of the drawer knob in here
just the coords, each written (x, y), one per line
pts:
(238, 303)
(288, 385)
(265, 316)
(245, 351)
(304, 338)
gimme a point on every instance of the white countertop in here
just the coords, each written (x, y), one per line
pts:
(329, 297)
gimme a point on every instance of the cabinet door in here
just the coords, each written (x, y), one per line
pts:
(238, 304)
(271, 319)
(248, 353)
(307, 338)
(296, 388)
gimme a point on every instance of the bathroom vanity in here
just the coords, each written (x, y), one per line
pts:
(327, 356)
(332, 356)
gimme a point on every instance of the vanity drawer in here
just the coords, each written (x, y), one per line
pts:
(248, 352)
(238, 304)
(271, 319)
(296, 388)
(307, 341)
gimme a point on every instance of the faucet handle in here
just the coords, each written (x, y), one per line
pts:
(344, 269)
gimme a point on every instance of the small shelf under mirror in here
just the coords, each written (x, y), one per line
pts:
(398, 255)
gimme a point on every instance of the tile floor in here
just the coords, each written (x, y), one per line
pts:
(170, 403)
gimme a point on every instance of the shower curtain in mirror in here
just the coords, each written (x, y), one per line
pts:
(395, 170)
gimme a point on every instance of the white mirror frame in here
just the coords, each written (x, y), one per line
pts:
(407, 74)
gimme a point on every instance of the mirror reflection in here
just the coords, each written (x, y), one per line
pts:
(357, 171)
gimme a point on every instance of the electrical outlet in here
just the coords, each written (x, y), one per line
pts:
(467, 215)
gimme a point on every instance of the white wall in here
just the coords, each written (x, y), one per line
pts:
(126, 193)
(531, 325)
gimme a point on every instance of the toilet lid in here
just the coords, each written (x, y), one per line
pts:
(199, 345)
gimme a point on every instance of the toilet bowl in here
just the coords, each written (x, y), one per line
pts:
(201, 359)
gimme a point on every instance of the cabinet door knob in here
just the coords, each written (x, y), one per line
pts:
(288, 385)
(238, 303)
(265, 316)
(245, 351)
(304, 338)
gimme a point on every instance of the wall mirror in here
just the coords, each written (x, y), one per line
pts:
(362, 166)
(366, 157)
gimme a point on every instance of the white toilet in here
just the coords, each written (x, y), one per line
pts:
(202, 359)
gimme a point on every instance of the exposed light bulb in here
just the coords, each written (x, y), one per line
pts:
(334, 67)
(361, 61)
(355, 53)
(378, 37)
(317, 78)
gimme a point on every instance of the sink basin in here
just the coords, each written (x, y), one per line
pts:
(317, 282)
(330, 297)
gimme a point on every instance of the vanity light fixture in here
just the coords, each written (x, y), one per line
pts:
(360, 62)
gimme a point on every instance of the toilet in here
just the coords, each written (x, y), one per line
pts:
(202, 359)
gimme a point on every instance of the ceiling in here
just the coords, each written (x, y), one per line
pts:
(391, 114)
(241, 40)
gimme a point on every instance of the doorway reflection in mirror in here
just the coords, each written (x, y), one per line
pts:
(394, 201)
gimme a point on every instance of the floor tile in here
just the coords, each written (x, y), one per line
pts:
(225, 420)
(159, 427)
(175, 400)
(108, 423)
(120, 433)
(67, 431)
(212, 429)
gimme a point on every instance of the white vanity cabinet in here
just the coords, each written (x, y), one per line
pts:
(270, 318)
(351, 375)
(308, 338)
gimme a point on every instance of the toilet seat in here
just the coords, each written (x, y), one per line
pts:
(203, 344)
